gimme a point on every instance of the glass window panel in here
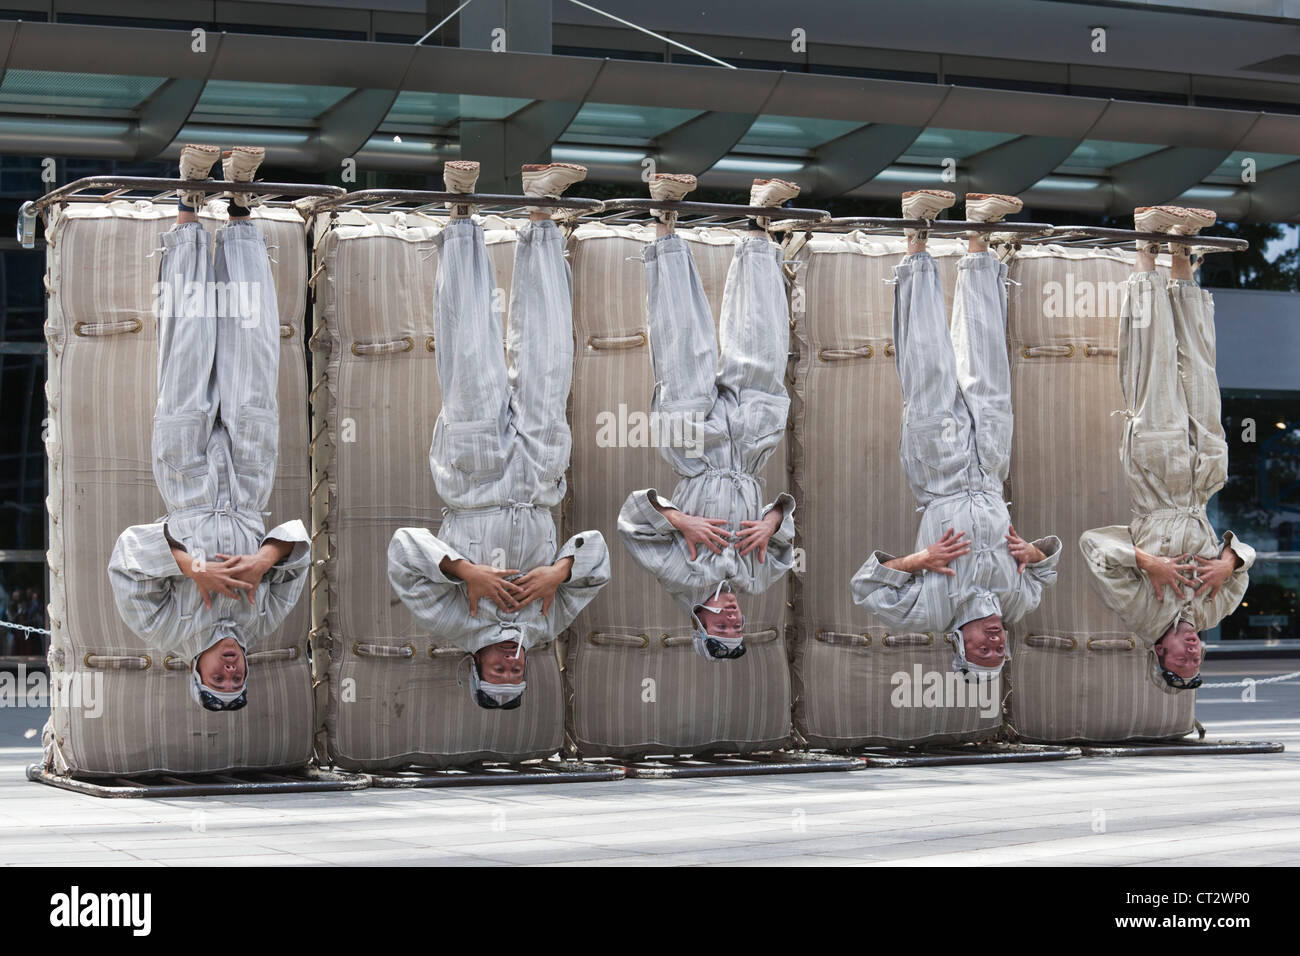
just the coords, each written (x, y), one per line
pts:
(1261, 504)
(937, 144)
(91, 90)
(641, 123)
(1096, 155)
(420, 108)
(796, 131)
(287, 100)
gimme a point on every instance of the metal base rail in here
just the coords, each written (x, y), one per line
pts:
(550, 770)
(1181, 748)
(666, 767)
(157, 190)
(951, 755)
(739, 765)
(230, 783)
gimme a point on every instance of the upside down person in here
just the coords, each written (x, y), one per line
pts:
(499, 453)
(215, 444)
(1167, 573)
(971, 574)
(714, 537)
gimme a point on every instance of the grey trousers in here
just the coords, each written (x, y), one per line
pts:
(956, 381)
(1174, 452)
(216, 426)
(502, 438)
(737, 394)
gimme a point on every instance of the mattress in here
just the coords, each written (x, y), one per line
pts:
(1077, 673)
(634, 684)
(128, 709)
(855, 682)
(387, 690)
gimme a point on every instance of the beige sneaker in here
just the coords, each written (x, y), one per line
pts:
(196, 163)
(550, 180)
(1175, 220)
(669, 187)
(926, 203)
(1161, 219)
(991, 207)
(239, 165)
(771, 192)
(1196, 220)
(459, 176)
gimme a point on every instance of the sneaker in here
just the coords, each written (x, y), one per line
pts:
(459, 176)
(991, 207)
(1175, 220)
(239, 165)
(196, 163)
(550, 180)
(1197, 219)
(1162, 219)
(771, 192)
(669, 187)
(926, 203)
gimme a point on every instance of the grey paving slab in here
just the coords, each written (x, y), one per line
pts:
(1232, 810)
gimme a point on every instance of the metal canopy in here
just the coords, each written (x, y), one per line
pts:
(315, 102)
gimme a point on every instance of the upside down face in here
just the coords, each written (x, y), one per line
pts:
(223, 667)
(985, 640)
(501, 663)
(726, 621)
(1181, 650)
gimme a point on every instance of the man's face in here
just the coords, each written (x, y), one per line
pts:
(1181, 650)
(497, 663)
(985, 640)
(727, 622)
(223, 667)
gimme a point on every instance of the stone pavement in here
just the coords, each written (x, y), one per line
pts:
(1236, 810)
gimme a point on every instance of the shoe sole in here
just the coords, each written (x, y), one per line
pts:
(1009, 205)
(947, 197)
(1164, 219)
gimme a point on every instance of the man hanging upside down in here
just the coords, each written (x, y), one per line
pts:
(216, 436)
(715, 537)
(971, 574)
(1167, 573)
(500, 450)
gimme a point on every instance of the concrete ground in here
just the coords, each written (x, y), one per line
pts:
(1236, 810)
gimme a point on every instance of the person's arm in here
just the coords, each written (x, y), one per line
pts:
(584, 560)
(1036, 563)
(288, 546)
(935, 557)
(1118, 576)
(435, 582)
(280, 562)
(771, 537)
(285, 556)
(892, 588)
(144, 575)
(1233, 562)
(650, 525)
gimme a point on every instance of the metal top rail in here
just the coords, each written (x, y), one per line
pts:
(879, 225)
(1106, 237)
(425, 201)
(152, 189)
(703, 213)
(1016, 233)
